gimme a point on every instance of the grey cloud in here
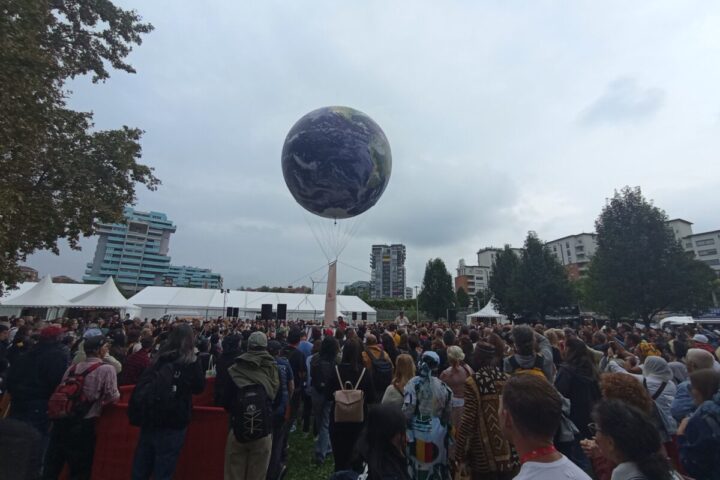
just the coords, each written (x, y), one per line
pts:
(623, 101)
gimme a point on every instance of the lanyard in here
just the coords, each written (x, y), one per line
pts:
(540, 452)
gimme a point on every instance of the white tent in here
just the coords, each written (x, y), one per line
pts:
(202, 302)
(489, 312)
(42, 295)
(105, 296)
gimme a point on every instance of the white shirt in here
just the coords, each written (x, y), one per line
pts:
(562, 469)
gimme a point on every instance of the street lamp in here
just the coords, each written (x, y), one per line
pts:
(224, 291)
(417, 309)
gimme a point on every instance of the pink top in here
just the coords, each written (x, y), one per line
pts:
(455, 379)
(100, 385)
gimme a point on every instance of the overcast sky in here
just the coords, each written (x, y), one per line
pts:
(503, 117)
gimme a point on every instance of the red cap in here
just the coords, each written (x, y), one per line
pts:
(51, 332)
(328, 332)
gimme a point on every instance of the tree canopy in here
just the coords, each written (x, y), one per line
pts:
(437, 295)
(463, 299)
(531, 286)
(59, 175)
(639, 268)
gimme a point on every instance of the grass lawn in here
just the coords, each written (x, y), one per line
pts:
(300, 464)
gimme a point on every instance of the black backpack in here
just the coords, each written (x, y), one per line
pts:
(251, 417)
(320, 373)
(153, 393)
(382, 371)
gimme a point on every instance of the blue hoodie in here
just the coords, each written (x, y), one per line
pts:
(701, 442)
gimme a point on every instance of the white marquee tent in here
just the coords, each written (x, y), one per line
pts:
(106, 295)
(489, 312)
(156, 302)
(57, 297)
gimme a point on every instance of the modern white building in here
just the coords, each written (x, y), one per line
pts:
(705, 246)
(574, 252)
(475, 278)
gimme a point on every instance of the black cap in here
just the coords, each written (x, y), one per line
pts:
(274, 347)
(93, 344)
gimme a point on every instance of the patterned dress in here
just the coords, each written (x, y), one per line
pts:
(427, 406)
(480, 442)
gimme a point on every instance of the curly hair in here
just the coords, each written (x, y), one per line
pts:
(621, 386)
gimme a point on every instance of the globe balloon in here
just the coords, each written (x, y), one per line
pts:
(336, 162)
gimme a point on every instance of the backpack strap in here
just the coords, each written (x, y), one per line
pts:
(87, 371)
(659, 390)
(360, 379)
(340, 379)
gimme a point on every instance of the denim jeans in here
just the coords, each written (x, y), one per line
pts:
(279, 445)
(157, 453)
(321, 412)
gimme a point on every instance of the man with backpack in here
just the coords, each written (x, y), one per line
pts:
(297, 362)
(533, 354)
(74, 407)
(378, 362)
(249, 401)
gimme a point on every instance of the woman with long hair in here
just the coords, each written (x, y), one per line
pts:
(480, 445)
(162, 436)
(344, 435)
(628, 436)
(322, 372)
(388, 345)
(383, 442)
(578, 380)
(404, 371)
(625, 388)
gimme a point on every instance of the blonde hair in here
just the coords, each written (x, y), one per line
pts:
(455, 355)
(404, 370)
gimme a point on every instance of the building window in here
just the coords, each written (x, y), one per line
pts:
(712, 261)
(579, 248)
(703, 243)
(707, 253)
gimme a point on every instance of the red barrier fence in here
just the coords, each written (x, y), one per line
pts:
(202, 456)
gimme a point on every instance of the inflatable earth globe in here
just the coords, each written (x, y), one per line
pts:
(336, 162)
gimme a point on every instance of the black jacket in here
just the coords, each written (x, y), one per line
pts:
(189, 380)
(583, 392)
(36, 373)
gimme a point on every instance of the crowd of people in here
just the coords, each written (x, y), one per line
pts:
(384, 401)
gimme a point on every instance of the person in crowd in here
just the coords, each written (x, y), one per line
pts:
(344, 435)
(480, 445)
(162, 435)
(578, 380)
(203, 353)
(529, 416)
(4, 345)
(136, 363)
(230, 350)
(286, 386)
(699, 434)
(683, 404)
(378, 362)
(552, 337)
(404, 371)
(383, 443)
(33, 377)
(525, 360)
(401, 320)
(702, 342)
(454, 377)
(297, 362)
(427, 407)
(389, 346)
(72, 439)
(657, 380)
(322, 371)
(628, 437)
(118, 344)
(249, 459)
(80, 355)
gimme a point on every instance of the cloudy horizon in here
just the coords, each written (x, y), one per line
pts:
(502, 119)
